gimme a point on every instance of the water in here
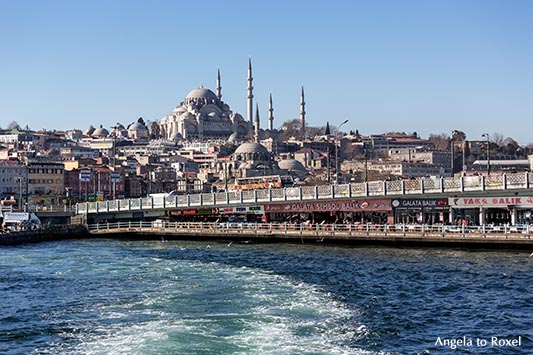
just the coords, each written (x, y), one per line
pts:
(147, 297)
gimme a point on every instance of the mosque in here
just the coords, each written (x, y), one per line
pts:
(203, 116)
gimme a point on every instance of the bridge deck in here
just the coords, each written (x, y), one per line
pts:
(480, 236)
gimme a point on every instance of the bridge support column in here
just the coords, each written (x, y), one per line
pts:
(504, 181)
(481, 216)
(513, 216)
(451, 217)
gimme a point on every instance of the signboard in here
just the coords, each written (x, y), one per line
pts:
(504, 202)
(348, 206)
(243, 210)
(420, 203)
(85, 175)
(115, 176)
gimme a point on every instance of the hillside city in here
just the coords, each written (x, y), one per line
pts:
(202, 146)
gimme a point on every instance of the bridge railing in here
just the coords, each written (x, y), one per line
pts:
(414, 230)
(367, 189)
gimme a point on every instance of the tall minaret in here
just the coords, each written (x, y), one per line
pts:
(250, 94)
(270, 114)
(219, 88)
(302, 115)
(256, 124)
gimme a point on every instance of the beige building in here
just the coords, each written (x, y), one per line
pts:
(45, 181)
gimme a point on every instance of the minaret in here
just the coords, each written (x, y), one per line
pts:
(270, 114)
(256, 124)
(250, 94)
(302, 115)
(219, 88)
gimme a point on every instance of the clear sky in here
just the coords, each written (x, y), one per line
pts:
(415, 66)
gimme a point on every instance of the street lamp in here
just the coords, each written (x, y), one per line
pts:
(337, 152)
(486, 135)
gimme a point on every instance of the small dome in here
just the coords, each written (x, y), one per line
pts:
(201, 93)
(119, 126)
(291, 164)
(136, 126)
(179, 109)
(251, 147)
(100, 132)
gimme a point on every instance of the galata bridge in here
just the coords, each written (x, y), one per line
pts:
(460, 208)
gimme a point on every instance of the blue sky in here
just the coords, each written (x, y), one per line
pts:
(413, 66)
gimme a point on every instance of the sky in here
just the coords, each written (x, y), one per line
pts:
(429, 66)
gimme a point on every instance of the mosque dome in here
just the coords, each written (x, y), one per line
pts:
(136, 126)
(201, 93)
(100, 132)
(292, 165)
(251, 147)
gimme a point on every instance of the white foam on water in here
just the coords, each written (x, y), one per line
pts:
(260, 313)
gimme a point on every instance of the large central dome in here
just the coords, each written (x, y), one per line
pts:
(201, 93)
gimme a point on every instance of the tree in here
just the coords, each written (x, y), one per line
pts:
(14, 126)
(439, 141)
(497, 138)
(155, 129)
(458, 136)
(290, 129)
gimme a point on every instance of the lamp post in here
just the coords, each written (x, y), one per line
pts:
(486, 135)
(337, 152)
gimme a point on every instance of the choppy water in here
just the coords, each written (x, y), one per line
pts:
(125, 297)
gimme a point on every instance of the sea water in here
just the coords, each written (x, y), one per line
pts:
(150, 297)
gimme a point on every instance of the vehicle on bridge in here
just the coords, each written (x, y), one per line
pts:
(263, 182)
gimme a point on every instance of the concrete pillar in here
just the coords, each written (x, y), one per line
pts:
(513, 216)
(481, 216)
(451, 216)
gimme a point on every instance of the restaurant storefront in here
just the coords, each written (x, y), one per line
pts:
(247, 213)
(421, 211)
(376, 211)
(496, 210)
